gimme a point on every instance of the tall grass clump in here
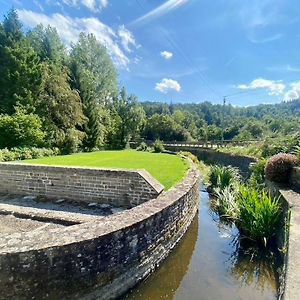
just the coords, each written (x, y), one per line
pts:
(225, 204)
(257, 178)
(158, 146)
(221, 177)
(259, 214)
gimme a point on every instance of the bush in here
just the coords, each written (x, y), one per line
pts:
(142, 147)
(21, 129)
(222, 177)
(259, 214)
(26, 153)
(158, 146)
(278, 167)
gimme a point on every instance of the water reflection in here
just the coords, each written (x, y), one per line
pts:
(212, 263)
(255, 266)
(165, 282)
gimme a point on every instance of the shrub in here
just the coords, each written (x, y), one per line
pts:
(142, 147)
(259, 214)
(278, 167)
(21, 129)
(26, 153)
(221, 177)
(225, 203)
(158, 146)
(257, 177)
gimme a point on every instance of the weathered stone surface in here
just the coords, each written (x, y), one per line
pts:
(112, 254)
(117, 187)
(295, 178)
(289, 238)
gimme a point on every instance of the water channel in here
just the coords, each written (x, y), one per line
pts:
(210, 263)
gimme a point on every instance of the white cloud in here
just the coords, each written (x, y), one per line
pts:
(166, 54)
(127, 38)
(159, 11)
(294, 92)
(273, 87)
(92, 5)
(295, 86)
(166, 85)
(69, 29)
(291, 95)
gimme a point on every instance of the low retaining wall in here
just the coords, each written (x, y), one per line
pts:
(289, 239)
(295, 178)
(117, 187)
(214, 157)
(112, 255)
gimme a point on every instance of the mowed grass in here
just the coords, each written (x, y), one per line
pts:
(166, 168)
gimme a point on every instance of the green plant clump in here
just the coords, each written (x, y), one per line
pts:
(158, 146)
(26, 153)
(259, 214)
(225, 203)
(221, 177)
(279, 166)
(142, 147)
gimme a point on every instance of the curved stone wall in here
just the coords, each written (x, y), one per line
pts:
(100, 259)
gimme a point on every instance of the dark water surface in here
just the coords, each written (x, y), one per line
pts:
(210, 264)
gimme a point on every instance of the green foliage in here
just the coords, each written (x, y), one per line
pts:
(222, 177)
(257, 177)
(142, 147)
(94, 76)
(158, 146)
(128, 121)
(26, 153)
(279, 166)
(21, 130)
(259, 214)
(225, 203)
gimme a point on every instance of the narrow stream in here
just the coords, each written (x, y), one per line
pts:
(210, 264)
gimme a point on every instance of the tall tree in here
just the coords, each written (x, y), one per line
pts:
(20, 69)
(94, 76)
(129, 119)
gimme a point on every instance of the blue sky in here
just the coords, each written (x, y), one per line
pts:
(187, 50)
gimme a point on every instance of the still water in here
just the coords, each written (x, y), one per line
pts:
(210, 264)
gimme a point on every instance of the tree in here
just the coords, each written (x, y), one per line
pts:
(61, 109)
(129, 119)
(94, 76)
(20, 70)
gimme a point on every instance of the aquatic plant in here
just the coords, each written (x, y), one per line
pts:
(224, 203)
(221, 177)
(259, 214)
(279, 166)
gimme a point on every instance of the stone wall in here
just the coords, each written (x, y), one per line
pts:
(295, 178)
(116, 187)
(211, 156)
(112, 255)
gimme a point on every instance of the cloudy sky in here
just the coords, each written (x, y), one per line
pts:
(186, 50)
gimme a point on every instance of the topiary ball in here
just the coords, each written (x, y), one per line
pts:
(279, 167)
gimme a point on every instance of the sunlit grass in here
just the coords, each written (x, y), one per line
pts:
(166, 168)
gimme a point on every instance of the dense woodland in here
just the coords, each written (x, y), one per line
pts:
(69, 98)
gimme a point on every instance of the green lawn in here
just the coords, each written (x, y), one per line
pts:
(167, 169)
